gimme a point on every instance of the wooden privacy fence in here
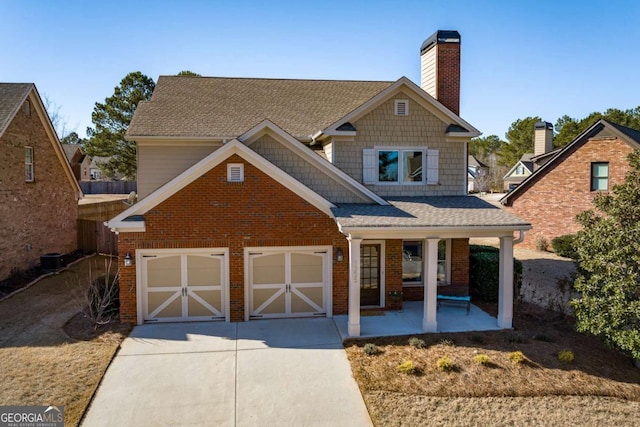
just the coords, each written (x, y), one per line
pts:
(93, 236)
(108, 187)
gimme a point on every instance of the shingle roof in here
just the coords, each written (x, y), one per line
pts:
(441, 211)
(184, 106)
(70, 150)
(11, 97)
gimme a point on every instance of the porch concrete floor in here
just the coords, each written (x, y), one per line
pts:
(408, 321)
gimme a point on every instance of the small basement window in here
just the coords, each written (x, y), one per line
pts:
(235, 172)
(402, 107)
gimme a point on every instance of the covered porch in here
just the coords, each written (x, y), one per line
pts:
(429, 220)
(408, 321)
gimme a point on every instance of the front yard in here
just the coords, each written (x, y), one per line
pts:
(40, 363)
(599, 387)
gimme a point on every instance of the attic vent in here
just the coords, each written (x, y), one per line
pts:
(402, 107)
(235, 172)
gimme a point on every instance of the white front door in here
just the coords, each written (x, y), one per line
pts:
(180, 286)
(288, 283)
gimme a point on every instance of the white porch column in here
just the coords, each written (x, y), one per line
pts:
(505, 290)
(430, 269)
(354, 287)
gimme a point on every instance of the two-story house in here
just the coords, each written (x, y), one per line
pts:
(38, 191)
(287, 198)
(566, 180)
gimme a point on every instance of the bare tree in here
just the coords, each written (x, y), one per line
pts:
(58, 121)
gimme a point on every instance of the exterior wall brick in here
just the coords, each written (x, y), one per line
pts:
(553, 201)
(210, 212)
(449, 76)
(35, 217)
(393, 273)
(382, 128)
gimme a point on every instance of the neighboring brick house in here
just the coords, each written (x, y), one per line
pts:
(529, 162)
(38, 192)
(566, 184)
(287, 198)
(80, 162)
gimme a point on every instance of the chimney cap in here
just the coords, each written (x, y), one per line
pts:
(543, 125)
(440, 37)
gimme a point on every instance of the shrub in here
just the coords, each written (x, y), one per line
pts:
(481, 359)
(448, 342)
(514, 337)
(417, 342)
(565, 246)
(484, 272)
(477, 339)
(517, 357)
(371, 349)
(103, 299)
(406, 367)
(543, 338)
(445, 364)
(566, 356)
(542, 244)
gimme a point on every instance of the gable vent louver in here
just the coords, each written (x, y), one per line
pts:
(402, 107)
(235, 172)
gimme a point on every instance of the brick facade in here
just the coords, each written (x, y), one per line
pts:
(35, 217)
(448, 89)
(552, 202)
(211, 212)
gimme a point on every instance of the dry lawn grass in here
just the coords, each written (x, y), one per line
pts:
(600, 386)
(39, 363)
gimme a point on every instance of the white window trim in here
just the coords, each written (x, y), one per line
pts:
(420, 283)
(400, 150)
(234, 169)
(406, 107)
(28, 165)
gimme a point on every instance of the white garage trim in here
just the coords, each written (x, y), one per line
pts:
(142, 257)
(285, 286)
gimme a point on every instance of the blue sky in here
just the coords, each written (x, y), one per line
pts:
(519, 58)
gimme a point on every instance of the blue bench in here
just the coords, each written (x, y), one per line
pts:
(455, 300)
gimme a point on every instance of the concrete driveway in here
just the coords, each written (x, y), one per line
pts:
(260, 373)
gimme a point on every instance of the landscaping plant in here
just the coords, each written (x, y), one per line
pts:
(608, 277)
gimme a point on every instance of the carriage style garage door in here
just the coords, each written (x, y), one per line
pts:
(181, 285)
(288, 282)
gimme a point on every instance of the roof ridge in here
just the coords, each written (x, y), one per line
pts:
(277, 79)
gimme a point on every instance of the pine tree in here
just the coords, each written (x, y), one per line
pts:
(111, 120)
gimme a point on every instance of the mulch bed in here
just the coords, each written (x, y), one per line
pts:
(19, 279)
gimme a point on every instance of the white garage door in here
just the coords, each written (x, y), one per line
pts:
(288, 282)
(183, 285)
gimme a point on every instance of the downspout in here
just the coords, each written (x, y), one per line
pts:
(519, 239)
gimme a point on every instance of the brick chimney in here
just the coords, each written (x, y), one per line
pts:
(440, 68)
(543, 138)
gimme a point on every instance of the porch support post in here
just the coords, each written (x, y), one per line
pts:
(505, 292)
(430, 269)
(354, 287)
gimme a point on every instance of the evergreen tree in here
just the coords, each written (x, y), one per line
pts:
(111, 120)
(608, 279)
